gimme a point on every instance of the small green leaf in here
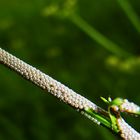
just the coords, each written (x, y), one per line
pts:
(117, 101)
(114, 123)
(105, 100)
(102, 119)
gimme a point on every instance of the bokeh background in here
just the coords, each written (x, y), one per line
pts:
(92, 46)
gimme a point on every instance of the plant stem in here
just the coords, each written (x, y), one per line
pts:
(98, 115)
(56, 88)
(98, 37)
(130, 13)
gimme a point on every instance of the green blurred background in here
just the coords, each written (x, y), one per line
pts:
(92, 46)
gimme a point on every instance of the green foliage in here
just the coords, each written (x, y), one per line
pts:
(91, 46)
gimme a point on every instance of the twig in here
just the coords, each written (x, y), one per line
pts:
(111, 119)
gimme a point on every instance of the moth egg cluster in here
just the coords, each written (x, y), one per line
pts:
(127, 132)
(129, 107)
(46, 82)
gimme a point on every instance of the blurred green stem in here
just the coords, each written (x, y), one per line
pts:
(131, 14)
(98, 37)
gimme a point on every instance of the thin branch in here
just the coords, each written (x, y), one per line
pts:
(48, 84)
(111, 119)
